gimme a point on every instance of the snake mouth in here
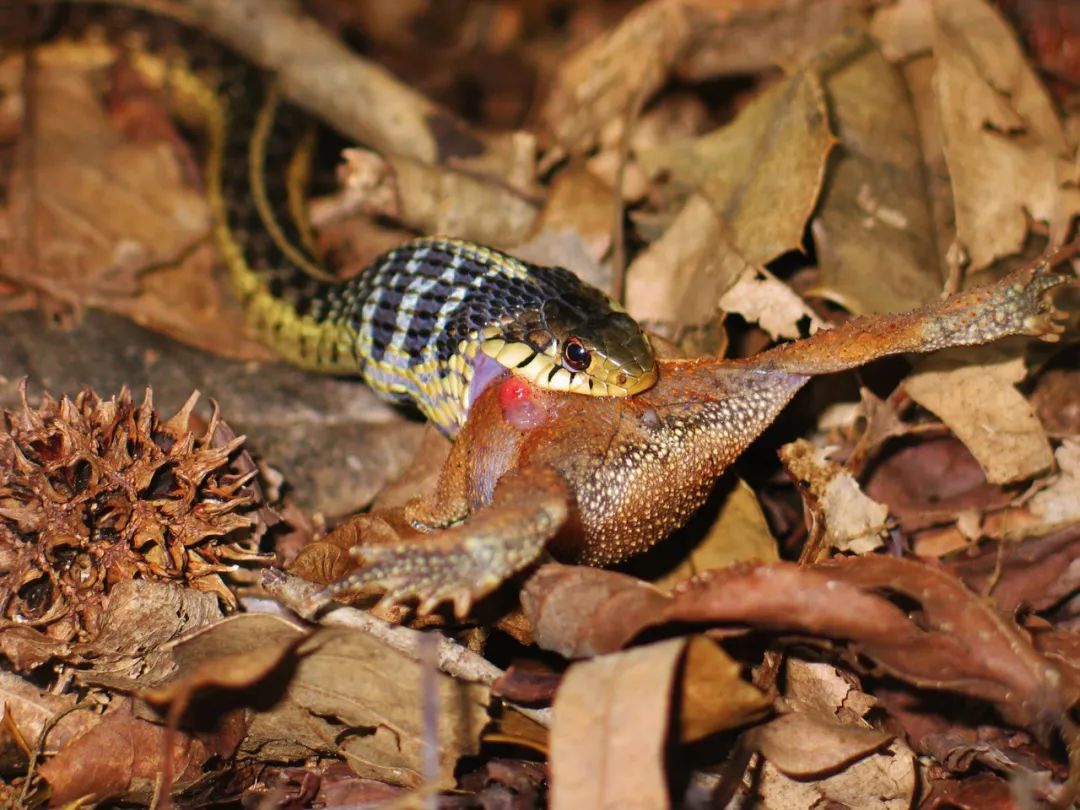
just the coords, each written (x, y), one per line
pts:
(610, 379)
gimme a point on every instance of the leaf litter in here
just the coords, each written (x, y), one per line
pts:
(754, 172)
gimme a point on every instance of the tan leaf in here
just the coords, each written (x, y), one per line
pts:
(975, 395)
(740, 533)
(1005, 146)
(714, 697)
(610, 730)
(615, 72)
(883, 781)
(438, 200)
(1059, 504)
(378, 692)
(763, 172)
(848, 519)
(678, 280)
(771, 304)
(804, 744)
(130, 650)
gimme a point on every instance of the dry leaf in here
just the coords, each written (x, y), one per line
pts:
(713, 695)
(582, 204)
(436, 200)
(805, 745)
(615, 73)
(610, 727)
(873, 230)
(676, 283)
(1005, 147)
(848, 519)
(31, 709)
(350, 678)
(580, 612)
(975, 395)
(885, 781)
(123, 757)
(1059, 503)
(92, 211)
(763, 172)
(771, 304)
(740, 533)
(130, 650)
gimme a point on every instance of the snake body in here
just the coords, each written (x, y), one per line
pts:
(432, 321)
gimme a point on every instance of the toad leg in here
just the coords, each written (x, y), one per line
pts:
(469, 560)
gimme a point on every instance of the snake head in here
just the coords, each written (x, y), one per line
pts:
(576, 339)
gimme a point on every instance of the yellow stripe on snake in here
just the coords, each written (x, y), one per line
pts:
(433, 321)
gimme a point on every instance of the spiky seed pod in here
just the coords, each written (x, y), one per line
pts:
(94, 492)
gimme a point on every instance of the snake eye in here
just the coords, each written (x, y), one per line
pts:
(576, 356)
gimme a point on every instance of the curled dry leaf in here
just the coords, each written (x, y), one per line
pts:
(336, 677)
(579, 612)
(841, 516)
(131, 649)
(975, 395)
(955, 641)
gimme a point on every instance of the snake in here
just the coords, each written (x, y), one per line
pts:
(432, 322)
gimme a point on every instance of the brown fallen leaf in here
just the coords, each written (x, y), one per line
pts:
(1007, 153)
(1037, 572)
(122, 756)
(612, 715)
(883, 781)
(763, 172)
(954, 642)
(31, 709)
(873, 232)
(805, 745)
(93, 210)
(131, 648)
(740, 533)
(976, 397)
(580, 612)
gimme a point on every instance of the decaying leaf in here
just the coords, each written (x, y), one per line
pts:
(841, 515)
